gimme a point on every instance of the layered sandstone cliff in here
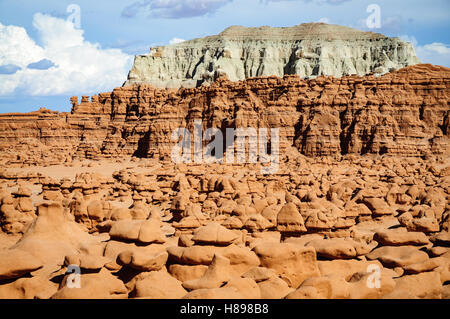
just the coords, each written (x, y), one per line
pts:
(308, 50)
(403, 113)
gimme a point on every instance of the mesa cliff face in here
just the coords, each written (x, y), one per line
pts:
(309, 50)
(403, 113)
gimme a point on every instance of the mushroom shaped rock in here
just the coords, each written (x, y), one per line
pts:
(241, 258)
(363, 285)
(424, 224)
(292, 262)
(214, 234)
(378, 206)
(22, 191)
(150, 232)
(218, 273)
(28, 288)
(334, 248)
(189, 222)
(289, 219)
(15, 263)
(398, 256)
(400, 237)
(187, 272)
(274, 288)
(233, 222)
(319, 220)
(159, 285)
(101, 285)
(337, 287)
(271, 213)
(425, 285)
(143, 260)
(425, 266)
(193, 255)
(86, 261)
(247, 287)
(257, 222)
(327, 287)
(143, 231)
(53, 235)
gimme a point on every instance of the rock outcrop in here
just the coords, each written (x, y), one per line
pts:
(309, 50)
(403, 113)
(360, 227)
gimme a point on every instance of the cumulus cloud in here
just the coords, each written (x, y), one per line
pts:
(16, 47)
(173, 9)
(65, 63)
(435, 53)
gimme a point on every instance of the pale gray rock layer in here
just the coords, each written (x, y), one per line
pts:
(308, 50)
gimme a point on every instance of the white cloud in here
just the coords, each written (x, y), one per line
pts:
(438, 48)
(17, 48)
(80, 66)
(176, 40)
(434, 53)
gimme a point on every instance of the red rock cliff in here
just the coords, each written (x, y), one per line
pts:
(404, 113)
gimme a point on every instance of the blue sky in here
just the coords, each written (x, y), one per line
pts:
(49, 52)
